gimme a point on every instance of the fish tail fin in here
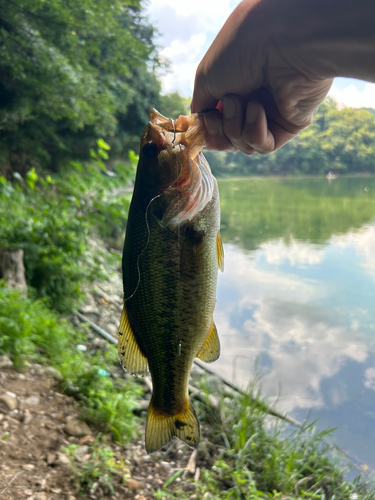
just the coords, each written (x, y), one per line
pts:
(161, 428)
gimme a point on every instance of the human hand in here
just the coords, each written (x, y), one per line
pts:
(269, 91)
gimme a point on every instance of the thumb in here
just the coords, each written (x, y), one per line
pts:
(202, 100)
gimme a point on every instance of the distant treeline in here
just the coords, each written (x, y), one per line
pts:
(71, 72)
(339, 140)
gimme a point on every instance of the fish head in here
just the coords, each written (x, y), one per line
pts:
(171, 164)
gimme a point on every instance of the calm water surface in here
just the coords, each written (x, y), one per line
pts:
(296, 300)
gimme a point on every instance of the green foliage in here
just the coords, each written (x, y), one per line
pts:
(101, 466)
(68, 71)
(173, 105)
(53, 232)
(339, 140)
(28, 325)
(259, 458)
(30, 329)
(52, 219)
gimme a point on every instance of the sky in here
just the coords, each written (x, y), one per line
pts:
(188, 27)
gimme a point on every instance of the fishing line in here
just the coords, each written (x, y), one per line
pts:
(179, 346)
(145, 248)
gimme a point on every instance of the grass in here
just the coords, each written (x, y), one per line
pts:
(250, 455)
(31, 331)
(100, 466)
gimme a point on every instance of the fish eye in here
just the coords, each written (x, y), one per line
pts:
(149, 150)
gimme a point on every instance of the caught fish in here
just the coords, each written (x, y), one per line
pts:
(171, 257)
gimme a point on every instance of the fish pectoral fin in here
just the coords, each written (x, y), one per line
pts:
(161, 428)
(220, 252)
(131, 358)
(210, 351)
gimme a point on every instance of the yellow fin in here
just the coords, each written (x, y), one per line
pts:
(131, 357)
(220, 252)
(161, 428)
(210, 351)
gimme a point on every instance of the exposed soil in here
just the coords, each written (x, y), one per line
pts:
(33, 465)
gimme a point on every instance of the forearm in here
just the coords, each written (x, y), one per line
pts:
(325, 38)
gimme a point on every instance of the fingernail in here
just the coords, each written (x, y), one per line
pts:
(229, 108)
(212, 126)
(251, 113)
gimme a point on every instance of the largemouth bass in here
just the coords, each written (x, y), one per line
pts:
(171, 257)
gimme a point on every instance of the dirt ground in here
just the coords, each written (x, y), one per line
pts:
(35, 423)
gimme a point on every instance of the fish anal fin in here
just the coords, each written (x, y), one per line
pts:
(210, 351)
(131, 357)
(220, 252)
(162, 428)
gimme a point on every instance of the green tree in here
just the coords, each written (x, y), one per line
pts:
(67, 70)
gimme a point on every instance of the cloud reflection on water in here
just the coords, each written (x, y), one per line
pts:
(273, 316)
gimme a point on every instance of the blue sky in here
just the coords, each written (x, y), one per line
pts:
(187, 28)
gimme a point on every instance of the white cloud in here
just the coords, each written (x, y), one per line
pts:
(370, 378)
(363, 241)
(270, 315)
(276, 251)
(187, 30)
(353, 97)
(183, 57)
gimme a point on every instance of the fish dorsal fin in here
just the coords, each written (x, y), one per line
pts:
(131, 357)
(210, 351)
(220, 252)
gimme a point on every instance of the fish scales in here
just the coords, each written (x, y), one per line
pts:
(170, 277)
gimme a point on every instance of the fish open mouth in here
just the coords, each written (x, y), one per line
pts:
(194, 185)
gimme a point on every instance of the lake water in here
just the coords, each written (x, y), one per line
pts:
(296, 300)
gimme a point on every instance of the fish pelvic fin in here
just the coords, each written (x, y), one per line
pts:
(220, 252)
(131, 358)
(162, 428)
(210, 351)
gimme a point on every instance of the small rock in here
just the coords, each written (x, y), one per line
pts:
(26, 418)
(51, 457)
(134, 485)
(62, 459)
(49, 371)
(28, 466)
(77, 428)
(166, 466)
(7, 403)
(32, 400)
(5, 362)
(81, 450)
(40, 495)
